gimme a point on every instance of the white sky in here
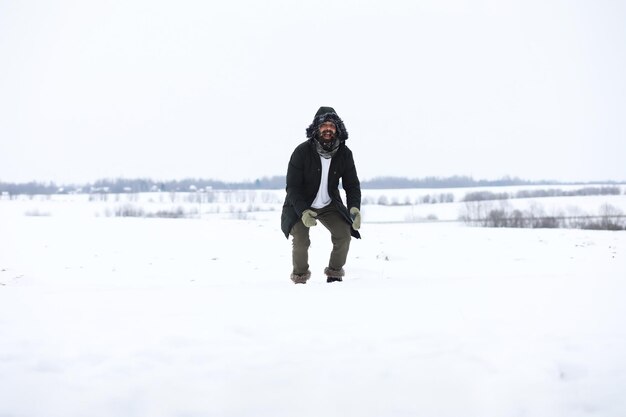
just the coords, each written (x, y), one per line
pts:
(225, 89)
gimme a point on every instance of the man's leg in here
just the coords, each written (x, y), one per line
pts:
(339, 235)
(300, 251)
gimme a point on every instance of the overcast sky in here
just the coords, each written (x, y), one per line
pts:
(225, 90)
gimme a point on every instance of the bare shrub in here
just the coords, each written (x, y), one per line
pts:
(128, 210)
(476, 212)
(516, 219)
(174, 213)
(446, 198)
(496, 218)
(547, 222)
(484, 196)
(611, 218)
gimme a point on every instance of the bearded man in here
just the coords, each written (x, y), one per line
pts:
(313, 175)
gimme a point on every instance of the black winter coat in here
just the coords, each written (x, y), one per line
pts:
(303, 181)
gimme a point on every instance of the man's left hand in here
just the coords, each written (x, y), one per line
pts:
(356, 218)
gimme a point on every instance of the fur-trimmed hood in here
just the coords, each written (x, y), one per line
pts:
(327, 114)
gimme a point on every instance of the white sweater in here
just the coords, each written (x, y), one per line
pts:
(322, 199)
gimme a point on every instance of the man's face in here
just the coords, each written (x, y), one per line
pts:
(327, 131)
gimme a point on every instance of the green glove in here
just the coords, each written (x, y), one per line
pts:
(308, 218)
(356, 218)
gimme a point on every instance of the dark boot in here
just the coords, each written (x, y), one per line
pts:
(301, 278)
(332, 275)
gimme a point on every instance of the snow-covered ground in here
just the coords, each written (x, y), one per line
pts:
(109, 316)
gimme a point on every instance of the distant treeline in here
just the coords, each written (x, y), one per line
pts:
(446, 182)
(585, 191)
(121, 185)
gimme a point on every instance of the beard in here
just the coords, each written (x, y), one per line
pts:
(327, 136)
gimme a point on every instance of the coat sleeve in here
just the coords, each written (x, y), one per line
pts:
(295, 182)
(350, 182)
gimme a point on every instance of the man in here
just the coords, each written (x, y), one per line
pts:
(315, 168)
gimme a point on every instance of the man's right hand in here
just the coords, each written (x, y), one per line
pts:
(308, 218)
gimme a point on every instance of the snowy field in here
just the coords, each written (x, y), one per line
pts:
(106, 316)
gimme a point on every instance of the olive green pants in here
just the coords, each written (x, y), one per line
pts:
(340, 236)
